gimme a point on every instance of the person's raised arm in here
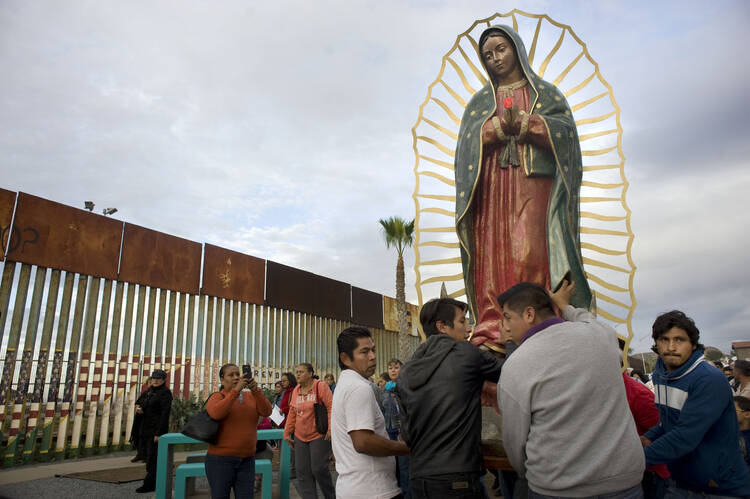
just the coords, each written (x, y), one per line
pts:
(561, 299)
(262, 405)
(367, 442)
(219, 407)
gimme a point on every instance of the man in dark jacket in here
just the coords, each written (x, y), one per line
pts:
(438, 391)
(697, 436)
(157, 404)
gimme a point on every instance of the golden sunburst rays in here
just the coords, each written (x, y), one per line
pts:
(560, 57)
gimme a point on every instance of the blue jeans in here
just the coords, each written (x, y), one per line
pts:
(654, 486)
(227, 472)
(402, 468)
(513, 486)
(631, 493)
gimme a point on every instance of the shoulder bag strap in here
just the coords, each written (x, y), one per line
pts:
(206, 401)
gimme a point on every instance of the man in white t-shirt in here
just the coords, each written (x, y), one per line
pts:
(364, 453)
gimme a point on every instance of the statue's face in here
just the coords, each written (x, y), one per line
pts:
(499, 57)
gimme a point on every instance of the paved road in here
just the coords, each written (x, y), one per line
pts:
(39, 481)
(69, 488)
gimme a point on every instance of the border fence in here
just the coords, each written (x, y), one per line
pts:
(89, 305)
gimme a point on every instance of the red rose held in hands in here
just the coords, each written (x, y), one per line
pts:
(508, 103)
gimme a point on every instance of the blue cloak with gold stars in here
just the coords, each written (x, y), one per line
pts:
(563, 163)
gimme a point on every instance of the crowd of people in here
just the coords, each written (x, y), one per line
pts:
(569, 429)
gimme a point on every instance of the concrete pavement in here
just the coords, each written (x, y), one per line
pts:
(39, 480)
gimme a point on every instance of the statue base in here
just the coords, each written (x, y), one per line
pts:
(493, 451)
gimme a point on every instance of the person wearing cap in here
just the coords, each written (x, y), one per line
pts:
(155, 407)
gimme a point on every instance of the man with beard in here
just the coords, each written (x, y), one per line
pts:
(697, 436)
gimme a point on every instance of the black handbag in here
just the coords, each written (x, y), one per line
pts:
(201, 426)
(321, 413)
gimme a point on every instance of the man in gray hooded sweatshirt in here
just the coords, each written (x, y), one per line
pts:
(438, 391)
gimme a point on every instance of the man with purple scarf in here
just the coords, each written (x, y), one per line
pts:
(567, 428)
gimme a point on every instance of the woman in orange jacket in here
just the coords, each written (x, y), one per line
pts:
(230, 463)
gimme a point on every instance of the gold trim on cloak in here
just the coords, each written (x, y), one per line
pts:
(582, 55)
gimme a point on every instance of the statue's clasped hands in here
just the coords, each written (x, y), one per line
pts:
(511, 120)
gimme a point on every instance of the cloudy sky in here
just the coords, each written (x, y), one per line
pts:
(282, 129)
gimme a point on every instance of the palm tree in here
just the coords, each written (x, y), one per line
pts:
(399, 233)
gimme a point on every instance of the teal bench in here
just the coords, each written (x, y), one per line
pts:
(185, 471)
(165, 461)
(191, 470)
(193, 457)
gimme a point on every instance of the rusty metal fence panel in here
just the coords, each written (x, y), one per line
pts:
(7, 205)
(76, 347)
(54, 235)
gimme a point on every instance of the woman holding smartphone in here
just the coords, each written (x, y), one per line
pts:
(230, 463)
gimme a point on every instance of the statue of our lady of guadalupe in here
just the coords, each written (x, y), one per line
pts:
(518, 174)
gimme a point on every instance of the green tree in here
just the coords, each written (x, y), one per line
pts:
(399, 233)
(713, 354)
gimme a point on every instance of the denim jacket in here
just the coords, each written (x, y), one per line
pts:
(391, 412)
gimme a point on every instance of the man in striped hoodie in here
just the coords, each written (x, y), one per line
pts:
(697, 435)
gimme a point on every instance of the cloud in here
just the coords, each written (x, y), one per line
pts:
(283, 129)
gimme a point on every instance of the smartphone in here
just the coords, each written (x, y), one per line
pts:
(247, 372)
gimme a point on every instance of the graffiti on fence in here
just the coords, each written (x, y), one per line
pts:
(18, 237)
(70, 379)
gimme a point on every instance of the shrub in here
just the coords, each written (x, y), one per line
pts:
(182, 409)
